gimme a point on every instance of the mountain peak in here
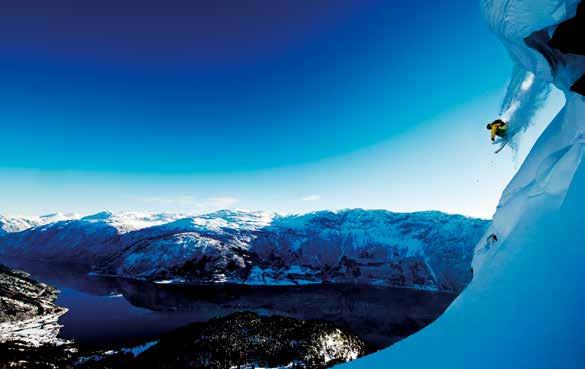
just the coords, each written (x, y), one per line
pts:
(102, 215)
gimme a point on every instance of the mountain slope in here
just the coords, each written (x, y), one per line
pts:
(428, 250)
(28, 315)
(409, 249)
(17, 224)
(524, 307)
(83, 240)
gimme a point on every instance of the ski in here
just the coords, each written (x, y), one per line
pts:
(501, 147)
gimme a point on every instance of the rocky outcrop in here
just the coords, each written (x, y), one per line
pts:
(28, 315)
(29, 323)
(579, 86)
(568, 35)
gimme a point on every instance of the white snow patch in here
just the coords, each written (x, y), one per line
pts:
(34, 332)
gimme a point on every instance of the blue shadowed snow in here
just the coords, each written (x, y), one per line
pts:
(524, 307)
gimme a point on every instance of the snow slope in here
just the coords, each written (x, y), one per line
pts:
(524, 307)
(426, 250)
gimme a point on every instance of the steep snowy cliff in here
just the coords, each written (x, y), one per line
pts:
(524, 307)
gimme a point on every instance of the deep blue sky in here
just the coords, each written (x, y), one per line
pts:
(214, 86)
(277, 105)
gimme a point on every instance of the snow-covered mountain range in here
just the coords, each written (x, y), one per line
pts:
(17, 224)
(425, 250)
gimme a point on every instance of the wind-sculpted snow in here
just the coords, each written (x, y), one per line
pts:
(427, 250)
(524, 306)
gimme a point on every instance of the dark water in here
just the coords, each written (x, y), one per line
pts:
(106, 311)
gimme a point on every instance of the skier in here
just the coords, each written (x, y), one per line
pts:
(497, 128)
(492, 238)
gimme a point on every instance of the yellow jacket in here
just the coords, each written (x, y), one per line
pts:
(497, 128)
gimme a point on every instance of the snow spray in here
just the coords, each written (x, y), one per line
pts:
(524, 96)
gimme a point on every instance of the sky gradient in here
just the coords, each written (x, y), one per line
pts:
(275, 105)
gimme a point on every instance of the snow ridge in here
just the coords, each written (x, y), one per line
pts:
(17, 224)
